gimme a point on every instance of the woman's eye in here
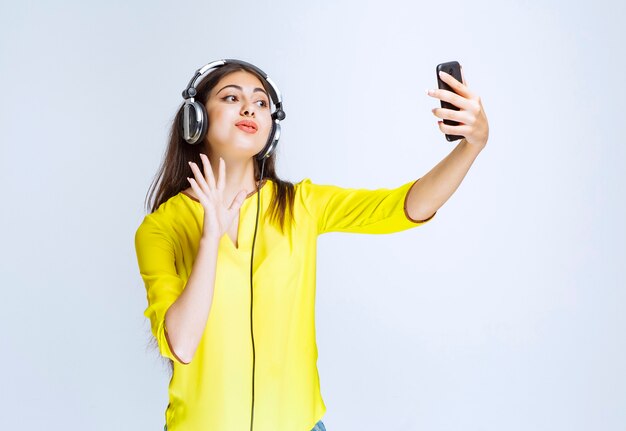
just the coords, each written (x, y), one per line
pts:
(264, 103)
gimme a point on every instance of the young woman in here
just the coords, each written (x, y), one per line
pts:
(227, 254)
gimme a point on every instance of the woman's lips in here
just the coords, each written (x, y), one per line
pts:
(247, 126)
(246, 129)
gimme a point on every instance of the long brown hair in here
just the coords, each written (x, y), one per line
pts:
(171, 177)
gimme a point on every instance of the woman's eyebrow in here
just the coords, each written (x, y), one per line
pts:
(239, 88)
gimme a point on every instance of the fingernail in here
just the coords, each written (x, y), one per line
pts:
(441, 73)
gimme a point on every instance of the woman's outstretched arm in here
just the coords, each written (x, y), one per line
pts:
(436, 187)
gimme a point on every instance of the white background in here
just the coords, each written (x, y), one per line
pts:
(505, 312)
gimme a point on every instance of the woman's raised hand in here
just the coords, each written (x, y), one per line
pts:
(473, 125)
(218, 216)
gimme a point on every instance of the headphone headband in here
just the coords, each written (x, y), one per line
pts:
(189, 92)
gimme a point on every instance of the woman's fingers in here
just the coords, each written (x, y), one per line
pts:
(449, 96)
(462, 129)
(196, 188)
(463, 77)
(238, 201)
(218, 215)
(471, 116)
(450, 114)
(199, 178)
(221, 181)
(208, 171)
(458, 87)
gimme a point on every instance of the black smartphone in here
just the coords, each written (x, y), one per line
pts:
(453, 68)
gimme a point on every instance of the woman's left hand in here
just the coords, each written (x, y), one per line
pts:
(471, 116)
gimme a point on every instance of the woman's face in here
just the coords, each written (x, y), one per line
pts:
(238, 96)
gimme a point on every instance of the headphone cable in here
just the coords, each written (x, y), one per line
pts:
(258, 188)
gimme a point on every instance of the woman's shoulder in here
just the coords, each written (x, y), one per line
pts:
(307, 186)
(310, 183)
(303, 187)
(309, 193)
(171, 210)
(305, 182)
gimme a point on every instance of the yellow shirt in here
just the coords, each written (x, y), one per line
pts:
(214, 391)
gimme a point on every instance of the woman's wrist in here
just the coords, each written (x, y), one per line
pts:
(209, 240)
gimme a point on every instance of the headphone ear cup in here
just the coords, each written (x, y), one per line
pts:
(194, 122)
(204, 123)
(272, 142)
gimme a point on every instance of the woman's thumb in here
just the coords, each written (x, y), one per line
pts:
(238, 201)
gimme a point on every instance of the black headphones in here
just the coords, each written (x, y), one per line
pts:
(194, 122)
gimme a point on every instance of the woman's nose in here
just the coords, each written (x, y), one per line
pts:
(247, 108)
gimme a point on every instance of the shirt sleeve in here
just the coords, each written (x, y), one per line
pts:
(377, 211)
(155, 256)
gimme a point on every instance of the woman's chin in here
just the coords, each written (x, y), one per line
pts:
(236, 146)
(241, 151)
